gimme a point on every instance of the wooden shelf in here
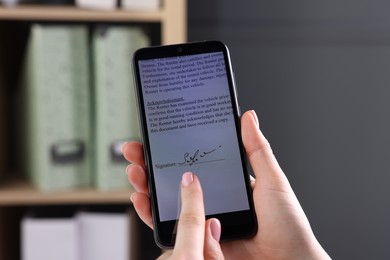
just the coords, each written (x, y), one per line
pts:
(18, 192)
(71, 13)
(172, 17)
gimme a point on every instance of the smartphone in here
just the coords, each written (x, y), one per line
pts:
(190, 121)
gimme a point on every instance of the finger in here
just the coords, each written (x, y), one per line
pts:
(141, 203)
(262, 160)
(137, 177)
(133, 152)
(212, 248)
(191, 226)
(253, 181)
(167, 255)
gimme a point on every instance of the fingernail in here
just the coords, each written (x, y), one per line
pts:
(123, 145)
(187, 179)
(215, 228)
(132, 197)
(255, 117)
(127, 168)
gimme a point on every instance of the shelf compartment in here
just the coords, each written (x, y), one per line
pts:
(19, 192)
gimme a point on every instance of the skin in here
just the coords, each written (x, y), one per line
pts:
(196, 238)
(284, 230)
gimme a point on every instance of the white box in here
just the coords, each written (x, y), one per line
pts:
(140, 4)
(48, 239)
(104, 236)
(97, 4)
(9, 3)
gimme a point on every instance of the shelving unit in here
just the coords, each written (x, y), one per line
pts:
(16, 193)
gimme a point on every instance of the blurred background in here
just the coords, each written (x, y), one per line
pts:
(318, 75)
(316, 72)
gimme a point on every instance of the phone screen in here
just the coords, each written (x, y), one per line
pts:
(189, 105)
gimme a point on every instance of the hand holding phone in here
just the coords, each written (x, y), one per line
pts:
(285, 231)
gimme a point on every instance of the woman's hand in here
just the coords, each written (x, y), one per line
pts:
(284, 231)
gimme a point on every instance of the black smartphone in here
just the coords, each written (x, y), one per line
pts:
(190, 121)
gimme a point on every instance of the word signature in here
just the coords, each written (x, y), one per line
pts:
(196, 156)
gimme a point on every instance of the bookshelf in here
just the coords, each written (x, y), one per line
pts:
(16, 193)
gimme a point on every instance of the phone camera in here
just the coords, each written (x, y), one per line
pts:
(179, 49)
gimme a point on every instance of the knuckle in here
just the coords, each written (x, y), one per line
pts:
(264, 148)
(192, 219)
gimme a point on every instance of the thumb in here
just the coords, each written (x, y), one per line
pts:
(261, 157)
(212, 248)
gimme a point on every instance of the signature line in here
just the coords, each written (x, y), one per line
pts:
(203, 162)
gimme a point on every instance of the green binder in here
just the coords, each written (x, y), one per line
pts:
(57, 96)
(116, 119)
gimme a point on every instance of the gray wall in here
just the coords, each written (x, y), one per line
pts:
(318, 75)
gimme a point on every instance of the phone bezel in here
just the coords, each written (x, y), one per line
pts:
(234, 224)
